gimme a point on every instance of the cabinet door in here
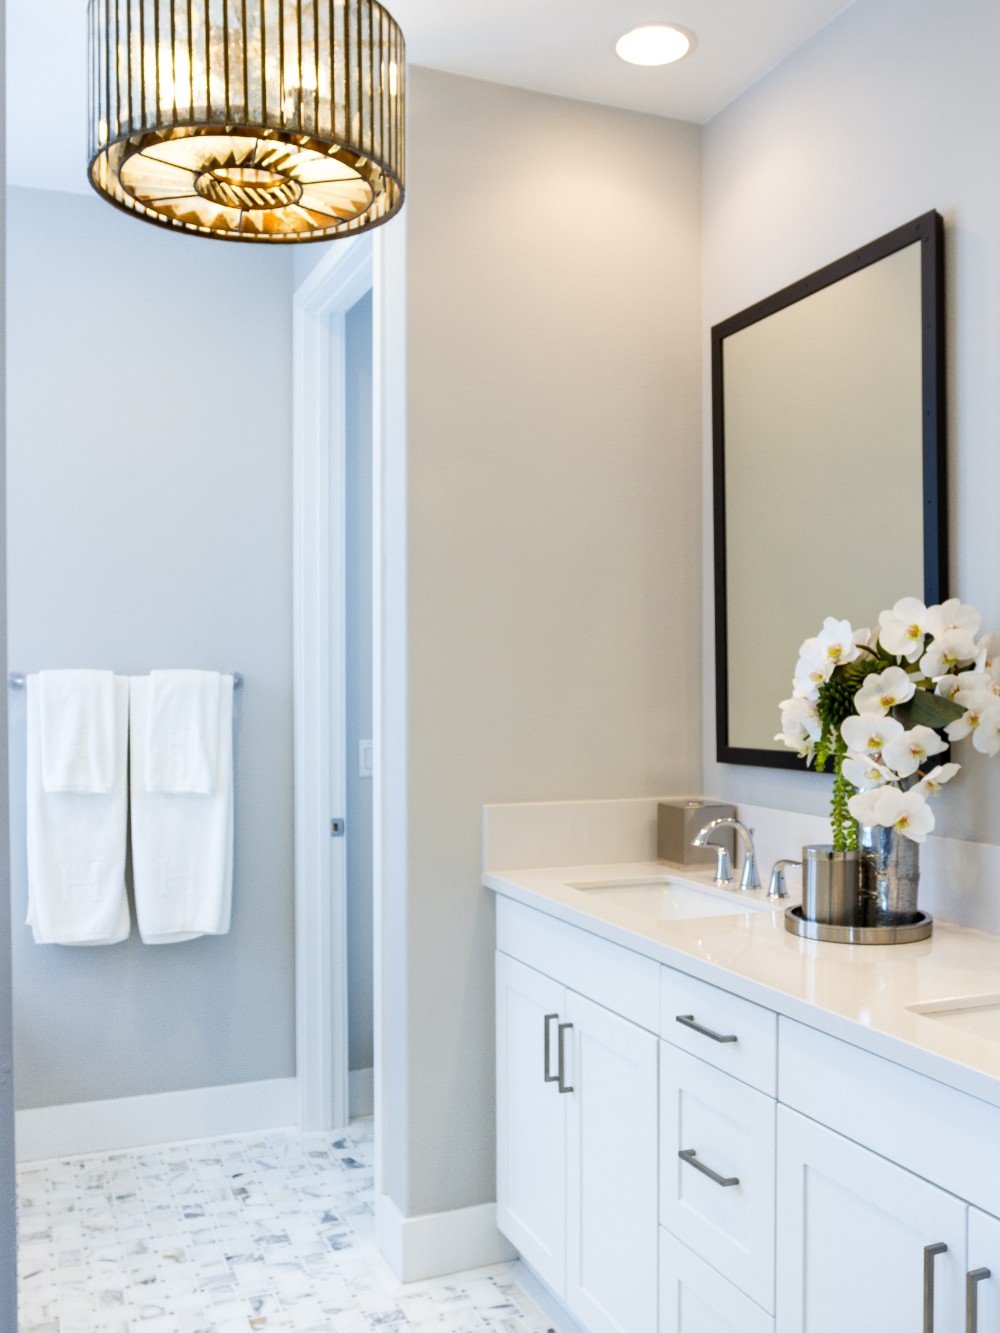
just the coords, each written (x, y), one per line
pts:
(531, 1120)
(982, 1292)
(694, 1298)
(853, 1238)
(611, 1266)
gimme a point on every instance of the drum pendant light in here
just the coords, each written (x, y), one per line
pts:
(248, 120)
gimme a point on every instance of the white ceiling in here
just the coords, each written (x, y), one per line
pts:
(555, 46)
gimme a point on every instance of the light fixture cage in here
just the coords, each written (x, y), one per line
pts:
(276, 121)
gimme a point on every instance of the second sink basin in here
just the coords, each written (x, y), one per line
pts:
(979, 1015)
(669, 899)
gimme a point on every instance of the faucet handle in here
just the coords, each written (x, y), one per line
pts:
(778, 888)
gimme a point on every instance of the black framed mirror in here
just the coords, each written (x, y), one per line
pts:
(829, 468)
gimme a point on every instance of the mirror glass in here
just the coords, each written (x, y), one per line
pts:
(826, 459)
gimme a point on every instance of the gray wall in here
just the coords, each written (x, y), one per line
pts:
(360, 920)
(149, 456)
(554, 536)
(877, 119)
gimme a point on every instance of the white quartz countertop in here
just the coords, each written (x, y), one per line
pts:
(860, 994)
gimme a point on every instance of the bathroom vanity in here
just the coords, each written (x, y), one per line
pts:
(706, 1123)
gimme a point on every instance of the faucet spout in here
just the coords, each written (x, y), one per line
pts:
(749, 876)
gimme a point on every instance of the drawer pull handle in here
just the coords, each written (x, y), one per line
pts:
(549, 1078)
(690, 1156)
(561, 1077)
(687, 1020)
(931, 1252)
(972, 1281)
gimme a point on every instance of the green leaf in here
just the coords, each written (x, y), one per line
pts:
(928, 710)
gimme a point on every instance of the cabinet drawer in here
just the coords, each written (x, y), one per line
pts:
(731, 1033)
(694, 1298)
(718, 1198)
(622, 981)
(935, 1131)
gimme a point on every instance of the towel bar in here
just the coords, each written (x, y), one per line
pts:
(16, 680)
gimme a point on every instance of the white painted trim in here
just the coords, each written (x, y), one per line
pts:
(362, 1084)
(162, 1117)
(320, 307)
(389, 582)
(435, 1244)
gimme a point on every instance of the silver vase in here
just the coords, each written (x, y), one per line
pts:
(894, 876)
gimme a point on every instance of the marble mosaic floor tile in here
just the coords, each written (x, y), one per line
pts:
(237, 1235)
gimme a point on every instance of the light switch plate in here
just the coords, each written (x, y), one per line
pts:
(366, 758)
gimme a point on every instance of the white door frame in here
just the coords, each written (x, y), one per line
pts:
(320, 308)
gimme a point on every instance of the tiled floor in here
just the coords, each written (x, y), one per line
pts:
(250, 1233)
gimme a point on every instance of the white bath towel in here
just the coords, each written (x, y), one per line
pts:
(182, 739)
(76, 841)
(77, 730)
(182, 843)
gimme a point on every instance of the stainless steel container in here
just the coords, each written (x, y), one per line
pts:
(833, 886)
(679, 820)
(894, 876)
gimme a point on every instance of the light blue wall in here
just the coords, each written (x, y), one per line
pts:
(149, 462)
(359, 680)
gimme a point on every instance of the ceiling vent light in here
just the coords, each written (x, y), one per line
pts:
(248, 120)
(654, 44)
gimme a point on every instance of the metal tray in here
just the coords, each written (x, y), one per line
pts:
(919, 929)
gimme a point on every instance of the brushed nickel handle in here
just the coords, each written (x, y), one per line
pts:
(972, 1281)
(549, 1078)
(561, 1077)
(690, 1156)
(687, 1020)
(931, 1252)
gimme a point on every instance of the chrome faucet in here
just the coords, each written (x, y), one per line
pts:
(749, 878)
(778, 888)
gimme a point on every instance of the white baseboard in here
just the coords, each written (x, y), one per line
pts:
(361, 1096)
(163, 1117)
(435, 1244)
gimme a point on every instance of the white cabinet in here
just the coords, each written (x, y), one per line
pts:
(717, 1170)
(859, 1240)
(577, 1103)
(694, 1298)
(983, 1279)
(531, 1120)
(611, 1282)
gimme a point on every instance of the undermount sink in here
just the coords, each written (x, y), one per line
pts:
(979, 1015)
(667, 899)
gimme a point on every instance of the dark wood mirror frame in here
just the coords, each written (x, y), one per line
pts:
(929, 232)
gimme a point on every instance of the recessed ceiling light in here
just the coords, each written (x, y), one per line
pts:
(654, 44)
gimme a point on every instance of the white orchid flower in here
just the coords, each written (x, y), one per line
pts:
(903, 629)
(884, 690)
(936, 779)
(801, 726)
(811, 670)
(865, 773)
(863, 806)
(953, 615)
(975, 703)
(954, 648)
(972, 682)
(870, 733)
(988, 661)
(905, 811)
(863, 638)
(986, 737)
(905, 754)
(836, 641)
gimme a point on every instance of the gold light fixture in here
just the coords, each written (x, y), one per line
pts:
(248, 120)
